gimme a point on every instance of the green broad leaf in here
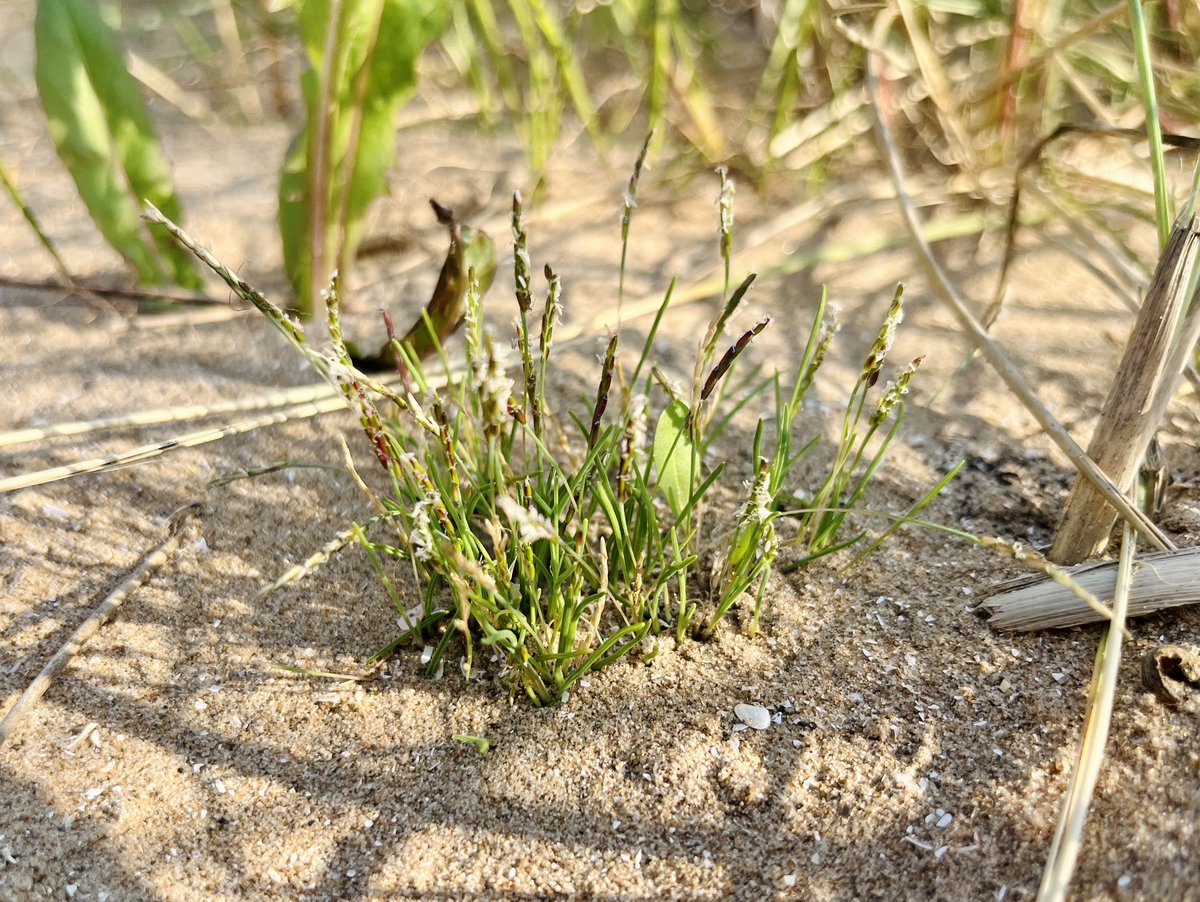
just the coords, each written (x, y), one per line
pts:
(673, 456)
(371, 70)
(103, 134)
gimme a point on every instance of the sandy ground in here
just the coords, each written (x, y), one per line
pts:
(916, 752)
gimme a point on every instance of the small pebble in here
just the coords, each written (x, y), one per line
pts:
(753, 716)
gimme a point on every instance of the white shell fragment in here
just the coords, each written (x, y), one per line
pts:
(753, 716)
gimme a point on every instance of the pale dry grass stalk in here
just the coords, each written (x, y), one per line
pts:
(1068, 836)
(1162, 580)
(290, 397)
(151, 450)
(103, 612)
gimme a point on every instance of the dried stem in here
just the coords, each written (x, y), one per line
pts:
(1136, 403)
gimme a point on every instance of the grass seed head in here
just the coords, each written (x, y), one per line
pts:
(894, 391)
(521, 264)
(885, 338)
(494, 388)
(528, 524)
(420, 534)
(725, 204)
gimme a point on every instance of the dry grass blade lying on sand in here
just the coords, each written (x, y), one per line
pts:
(179, 414)
(1162, 580)
(146, 452)
(104, 611)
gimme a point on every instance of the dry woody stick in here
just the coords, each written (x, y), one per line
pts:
(1137, 401)
(84, 632)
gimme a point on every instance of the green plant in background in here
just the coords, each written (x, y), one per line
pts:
(103, 134)
(363, 56)
(363, 65)
(978, 82)
(540, 59)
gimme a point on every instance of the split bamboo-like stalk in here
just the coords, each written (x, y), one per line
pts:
(1138, 399)
(1162, 580)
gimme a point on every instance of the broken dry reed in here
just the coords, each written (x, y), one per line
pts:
(1137, 400)
(1162, 580)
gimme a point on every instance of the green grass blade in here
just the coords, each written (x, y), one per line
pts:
(1141, 43)
(909, 515)
(32, 219)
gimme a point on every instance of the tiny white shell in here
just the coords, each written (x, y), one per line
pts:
(753, 716)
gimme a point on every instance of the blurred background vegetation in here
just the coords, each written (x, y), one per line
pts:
(771, 88)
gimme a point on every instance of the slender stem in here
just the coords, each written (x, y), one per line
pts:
(1064, 851)
(361, 84)
(320, 143)
(1141, 46)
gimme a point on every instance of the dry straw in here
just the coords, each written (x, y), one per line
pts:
(101, 615)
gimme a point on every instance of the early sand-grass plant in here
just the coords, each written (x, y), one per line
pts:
(551, 541)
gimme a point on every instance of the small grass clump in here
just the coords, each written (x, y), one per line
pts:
(555, 541)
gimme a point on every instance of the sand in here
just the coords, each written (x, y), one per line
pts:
(914, 751)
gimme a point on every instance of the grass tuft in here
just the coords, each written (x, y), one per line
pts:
(550, 543)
